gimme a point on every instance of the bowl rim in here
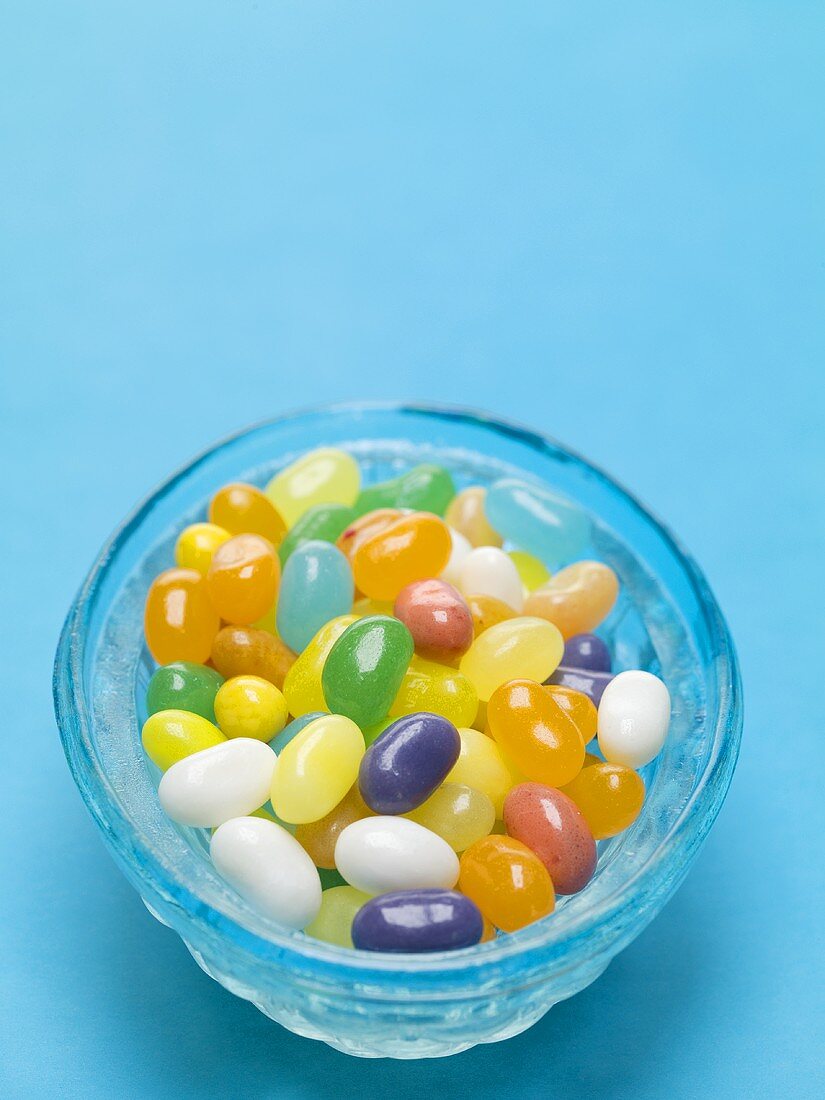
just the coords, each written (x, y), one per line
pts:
(686, 832)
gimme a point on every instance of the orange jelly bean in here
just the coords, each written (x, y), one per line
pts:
(243, 509)
(318, 837)
(466, 515)
(180, 622)
(507, 881)
(412, 548)
(610, 797)
(246, 650)
(577, 599)
(243, 578)
(487, 611)
(539, 735)
(364, 528)
(579, 706)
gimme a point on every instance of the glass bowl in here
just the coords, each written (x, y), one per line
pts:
(382, 1005)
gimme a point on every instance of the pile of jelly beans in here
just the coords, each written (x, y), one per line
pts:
(389, 705)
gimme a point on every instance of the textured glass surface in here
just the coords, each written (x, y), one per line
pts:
(381, 1005)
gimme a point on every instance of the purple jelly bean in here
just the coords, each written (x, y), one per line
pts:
(583, 680)
(405, 764)
(417, 920)
(586, 651)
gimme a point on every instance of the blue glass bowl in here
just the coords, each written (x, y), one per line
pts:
(667, 620)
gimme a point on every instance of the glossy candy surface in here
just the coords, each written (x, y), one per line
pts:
(579, 706)
(417, 920)
(317, 769)
(429, 686)
(365, 667)
(487, 611)
(209, 787)
(634, 715)
(196, 544)
(339, 904)
(316, 586)
(610, 797)
(438, 618)
(577, 599)
(243, 509)
(587, 651)
(280, 741)
(457, 813)
(591, 684)
(425, 488)
(520, 648)
(406, 763)
(380, 854)
(413, 547)
(179, 619)
(362, 528)
(552, 826)
(249, 706)
(537, 520)
(184, 685)
(324, 476)
(481, 766)
(322, 521)
(540, 736)
(488, 571)
(508, 882)
(247, 650)
(170, 735)
(319, 838)
(533, 573)
(468, 516)
(243, 578)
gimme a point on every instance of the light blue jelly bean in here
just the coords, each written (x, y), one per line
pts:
(316, 586)
(280, 741)
(537, 520)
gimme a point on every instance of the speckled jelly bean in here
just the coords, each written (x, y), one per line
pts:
(417, 920)
(537, 520)
(184, 685)
(365, 667)
(209, 787)
(324, 476)
(437, 616)
(243, 509)
(339, 904)
(540, 736)
(291, 730)
(552, 826)
(403, 766)
(520, 648)
(591, 684)
(487, 611)
(434, 687)
(634, 715)
(508, 882)
(323, 521)
(579, 706)
(197, 543)
(414, 547)
(171, 735)
(488, 571)
(460, 547)
(467, 515)
(577, 599)
(380, 854)
(610, 796)
(243, 578)
(249, 706)
(180, 622)
(302, 686)
(533, 573)
(459, 814)
(247, 650)
(316, 769)
(316, 586)
(586, 651)
(480, 765)
(425, 488)
(319, 838)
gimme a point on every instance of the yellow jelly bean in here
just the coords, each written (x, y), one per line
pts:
(518, 649)
(302, 686)
(325, 476)
(436, 688)
(532, 572)
(249, 706)
(170, 735)
(316, 769)
(333, 924)
(365, 606)
(481, 766)
(197, 543)
(459, 814)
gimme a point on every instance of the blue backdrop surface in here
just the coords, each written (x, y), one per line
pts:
(604, 220)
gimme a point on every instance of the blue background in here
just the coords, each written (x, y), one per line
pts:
(605, 220)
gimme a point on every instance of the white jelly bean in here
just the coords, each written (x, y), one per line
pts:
(226, 780)
(462, 547)
(488, 571)
(268, 867)
(379, 854)
(634, 715)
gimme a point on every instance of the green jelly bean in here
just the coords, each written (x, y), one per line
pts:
(184, 685)
(425, 488)
(372, 733)
(365, 667)
(324, 521)
(334, 921)
(330, 878)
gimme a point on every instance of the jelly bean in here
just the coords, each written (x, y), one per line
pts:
(268, 867)
(610, 796)
(373, 732)
(245, 650)
(363, 528)
(403, 766)
(324, 476)
(417, 920)
(322, 521)
(634, 715)
(365, 667)
(533, 573)
(227, 780)
(243, 578)
(489, 932)
(591, 684)
(184, 685)
(507, 881)
(487, 611)
(551, 825)
(425, 488)
(429, 686)
(480, 765)
(488, 571)
(318, 838)
(380, 854)
(586, 651)
(438, 618)
(364, 607)
(530, 726)
(249, 706)
(330, 879)
(457, 813)
(170, 735)
(316, 587)
(180, 622)
(577, 598)
(579, 706)
(316, 769)
(521, 648)
(334, 921)
(280, 741)
(537, 520)
(302, 687)
(468, 516)
(196, 544)
(412, 548)
(243, 509)
(460, 547)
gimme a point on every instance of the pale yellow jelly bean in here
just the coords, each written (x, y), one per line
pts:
(525, 648)
(197, 543)
(302, 686)
(171, 735)
(436, 688)
(533, 572)
(365, 606)
(481, 766)
(466, 514)
(577, 599)
(249, 706)
(459, 814)
(334, 921)
(325, 476)
(316, 769)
